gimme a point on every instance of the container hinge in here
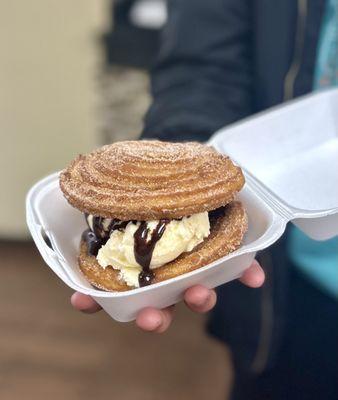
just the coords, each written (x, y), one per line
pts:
(269, 197)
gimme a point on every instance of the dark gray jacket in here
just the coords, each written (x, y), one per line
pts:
(222, 60)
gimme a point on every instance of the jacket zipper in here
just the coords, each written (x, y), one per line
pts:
(261, 357)
(267, 318)
(290, 77)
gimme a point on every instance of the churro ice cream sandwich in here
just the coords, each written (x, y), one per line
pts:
(154, 210)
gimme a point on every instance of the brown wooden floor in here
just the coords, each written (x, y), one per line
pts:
(49, 351)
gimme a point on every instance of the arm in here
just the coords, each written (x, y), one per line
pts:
(203, 77)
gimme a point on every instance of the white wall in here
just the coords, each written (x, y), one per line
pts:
(48, 61)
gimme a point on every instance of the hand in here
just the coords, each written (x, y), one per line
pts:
(198, 298)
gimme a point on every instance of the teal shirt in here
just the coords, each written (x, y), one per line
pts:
(319, 260)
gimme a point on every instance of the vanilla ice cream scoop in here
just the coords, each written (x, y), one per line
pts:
(177, 237)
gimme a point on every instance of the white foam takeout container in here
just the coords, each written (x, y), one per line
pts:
(290, 159)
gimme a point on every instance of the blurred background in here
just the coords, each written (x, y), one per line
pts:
(73, 76)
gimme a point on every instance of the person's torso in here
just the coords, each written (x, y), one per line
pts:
(285, 37)
(292, 45)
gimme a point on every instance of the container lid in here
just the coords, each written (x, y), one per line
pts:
(292, 151)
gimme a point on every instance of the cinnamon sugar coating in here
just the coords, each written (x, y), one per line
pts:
(226, 236)
(147, 180)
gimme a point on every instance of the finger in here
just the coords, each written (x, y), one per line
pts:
(84, 303)
(254, 276)
(154, 320)
(200, 299)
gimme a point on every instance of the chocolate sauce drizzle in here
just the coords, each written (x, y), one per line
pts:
(93, 242)
(215, 214)
(100, 234)
(143, 248)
